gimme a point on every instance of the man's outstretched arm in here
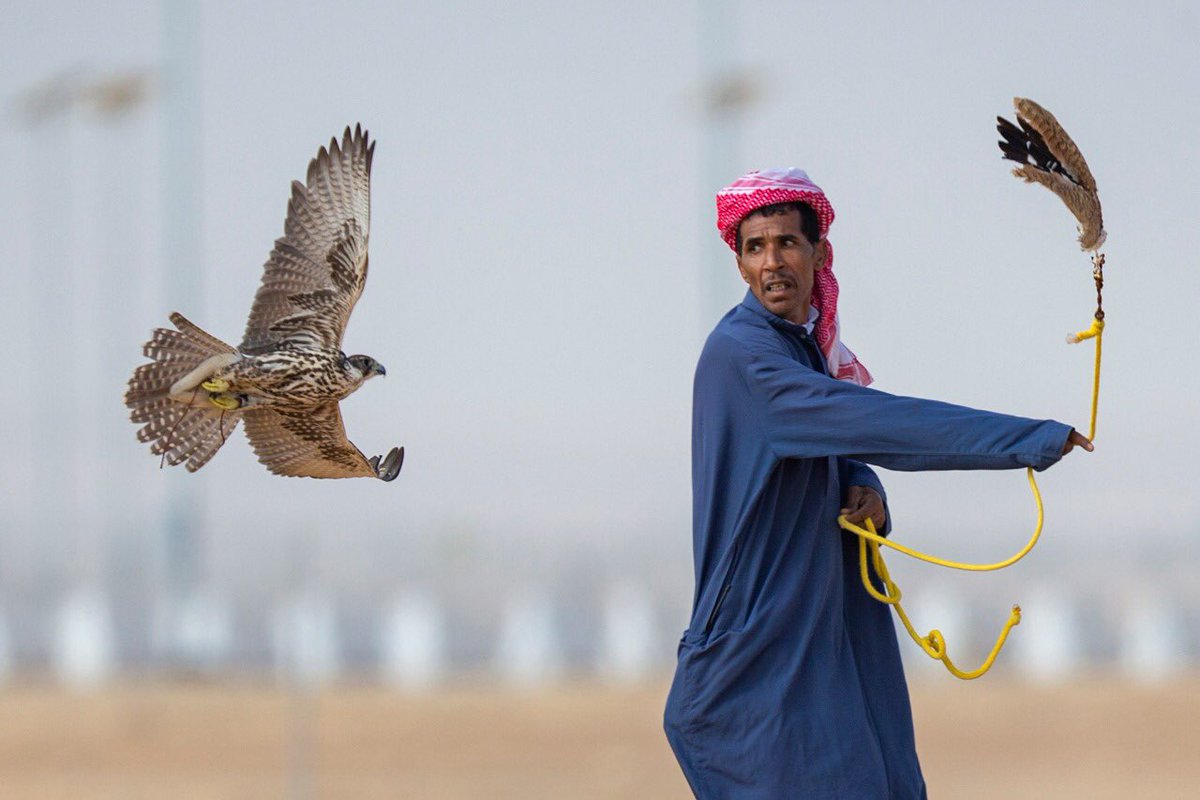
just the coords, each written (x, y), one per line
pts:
(807, 414)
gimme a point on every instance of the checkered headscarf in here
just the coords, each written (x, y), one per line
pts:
(768, 187)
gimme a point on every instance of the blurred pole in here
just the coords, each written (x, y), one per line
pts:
(727, 94)
(183, 260)
(86, 652)
(74, 390)
(305, 657)
(47, 112)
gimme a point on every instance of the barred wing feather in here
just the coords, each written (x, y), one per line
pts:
(316, 272)
(312, 444)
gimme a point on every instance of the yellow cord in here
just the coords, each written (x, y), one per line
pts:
(934, 643)
(870, 535)
(1096, 381)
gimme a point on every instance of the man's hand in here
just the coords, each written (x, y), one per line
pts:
(863, 502)
(1077, 439)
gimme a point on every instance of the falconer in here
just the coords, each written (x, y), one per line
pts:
(789, 682)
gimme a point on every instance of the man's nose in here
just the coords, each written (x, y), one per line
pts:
(773, 255)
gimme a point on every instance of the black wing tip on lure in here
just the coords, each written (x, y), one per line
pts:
(1026, 146)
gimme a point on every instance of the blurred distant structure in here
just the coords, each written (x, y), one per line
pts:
(529, 652)
(413, 643)
(6, 661)
(1154, 637)
(183, 251)
(1050, 650)
(728, 93)
(629, 639)
(83, 648)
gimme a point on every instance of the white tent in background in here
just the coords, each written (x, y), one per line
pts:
(1152, 641)
(627, 638)
(528, 652)
(6, 660)
(304, 639)
(195, 631)
(413, 642)
(84, 653)
(1047, 644)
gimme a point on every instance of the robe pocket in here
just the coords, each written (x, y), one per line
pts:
(718, 603)
(707, 668)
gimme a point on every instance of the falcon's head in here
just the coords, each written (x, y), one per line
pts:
(366, 366)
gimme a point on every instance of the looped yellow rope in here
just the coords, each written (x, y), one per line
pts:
(870, 535)
(934, 643)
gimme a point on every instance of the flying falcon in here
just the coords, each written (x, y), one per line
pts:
(287, 376)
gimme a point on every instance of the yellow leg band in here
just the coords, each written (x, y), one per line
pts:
(225, 402)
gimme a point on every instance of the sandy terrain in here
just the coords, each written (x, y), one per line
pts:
(1095, 739)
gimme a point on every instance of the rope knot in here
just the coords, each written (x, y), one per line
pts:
(935, 643)
(1092, 331)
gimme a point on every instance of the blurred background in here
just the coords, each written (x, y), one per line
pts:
(501, 621)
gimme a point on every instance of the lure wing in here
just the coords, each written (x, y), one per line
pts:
(1047, 155)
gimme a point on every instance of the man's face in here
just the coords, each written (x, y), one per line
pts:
(778, 263)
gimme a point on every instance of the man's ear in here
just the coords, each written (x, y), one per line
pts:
(822, 254)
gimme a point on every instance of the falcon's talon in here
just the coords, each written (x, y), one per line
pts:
(390, 468)
(215, 385)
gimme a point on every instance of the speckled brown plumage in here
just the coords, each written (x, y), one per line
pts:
(288, 374)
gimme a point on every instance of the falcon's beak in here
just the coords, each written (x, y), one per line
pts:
(379, 370)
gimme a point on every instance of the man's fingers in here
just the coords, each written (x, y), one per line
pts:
(863, 502)
(1077, 439)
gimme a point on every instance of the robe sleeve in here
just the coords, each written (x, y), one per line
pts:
(806, 414)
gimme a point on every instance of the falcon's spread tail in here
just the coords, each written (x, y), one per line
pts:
(179, 431)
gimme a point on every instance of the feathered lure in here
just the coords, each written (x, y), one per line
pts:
(1048, 156)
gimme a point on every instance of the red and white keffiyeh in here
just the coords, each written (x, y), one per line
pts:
(767, 187)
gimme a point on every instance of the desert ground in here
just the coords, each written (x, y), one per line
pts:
(1092, 738)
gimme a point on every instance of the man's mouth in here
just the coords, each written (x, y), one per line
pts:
(778, 285)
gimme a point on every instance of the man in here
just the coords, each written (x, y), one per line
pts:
(789, 682)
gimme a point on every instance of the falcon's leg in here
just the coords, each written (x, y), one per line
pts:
(207, 369)
(216, 385)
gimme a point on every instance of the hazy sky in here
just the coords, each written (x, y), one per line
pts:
(542, 241)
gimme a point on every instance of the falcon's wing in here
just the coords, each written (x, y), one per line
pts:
(313, 444)
(317, 271)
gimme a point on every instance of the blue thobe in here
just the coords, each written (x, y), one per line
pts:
(789, 682)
